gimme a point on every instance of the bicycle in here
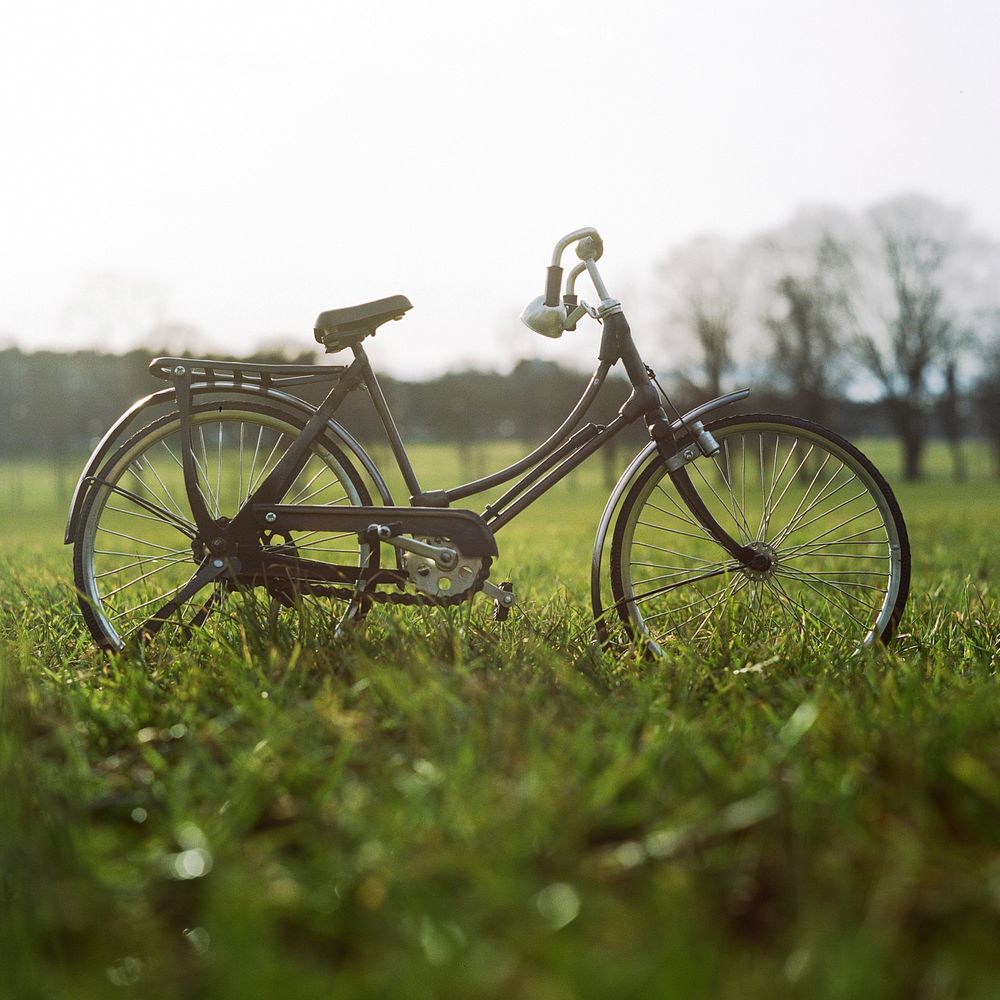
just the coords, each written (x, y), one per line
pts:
(225, 498)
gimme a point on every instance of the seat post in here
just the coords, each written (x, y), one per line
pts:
(378, 399)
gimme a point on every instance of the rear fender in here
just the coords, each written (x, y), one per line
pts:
(123, 424)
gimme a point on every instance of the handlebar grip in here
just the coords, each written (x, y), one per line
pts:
(553, 285)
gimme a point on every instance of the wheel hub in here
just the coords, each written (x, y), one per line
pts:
(764, 563)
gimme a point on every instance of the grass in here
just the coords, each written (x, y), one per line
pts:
(446, 807)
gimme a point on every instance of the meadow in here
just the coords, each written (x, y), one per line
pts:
(444, 806)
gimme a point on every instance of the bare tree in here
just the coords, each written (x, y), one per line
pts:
(702, 282)
(951, 416)
(986, 397)
(922, 334)
(809, 334)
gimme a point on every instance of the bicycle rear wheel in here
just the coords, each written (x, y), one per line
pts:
(808, 499)
(137, 547)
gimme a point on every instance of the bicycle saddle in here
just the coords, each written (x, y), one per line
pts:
(340, 328)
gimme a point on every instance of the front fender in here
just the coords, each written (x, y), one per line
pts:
(166, 396)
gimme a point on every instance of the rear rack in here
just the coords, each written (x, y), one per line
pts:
(243, 372)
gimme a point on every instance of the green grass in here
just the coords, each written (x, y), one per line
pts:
(444, 807)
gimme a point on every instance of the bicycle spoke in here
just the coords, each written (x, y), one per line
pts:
(723, 595)
(852, 539)
(765, 512)
(805, 494)
(158, 599)
(722, 503)
(846, 572)
(244, 497)
(809, 611)
(213, 507)
(138, 541)
(673, 531)
(143, 561)
(685, 515)
(729, 594)
(152, 625)
(708, 574)
(728, 477)
(159, 512)
(197, 484)
(832, 510)
(776, 475)
(844, 586)
(172, 522)
(302, 496)
(264, 468)
(782, 604)
(672, 552)
(824, 493)
(849, 520)
(144, 576)
(714, 569)
(687, 607)
(167, 496)
(828, 599)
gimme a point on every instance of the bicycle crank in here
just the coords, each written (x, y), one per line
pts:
(503, 598)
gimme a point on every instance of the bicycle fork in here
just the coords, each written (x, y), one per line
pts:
(676, 457)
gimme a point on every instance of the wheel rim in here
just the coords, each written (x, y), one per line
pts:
(802, 500)
(133, 559)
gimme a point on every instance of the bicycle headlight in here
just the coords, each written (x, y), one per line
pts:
(549, 321)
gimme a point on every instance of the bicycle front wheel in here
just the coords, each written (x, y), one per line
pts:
(813, 503)
(137, 544)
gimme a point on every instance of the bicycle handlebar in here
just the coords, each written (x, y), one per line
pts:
(553, 277)
(573, 237)
(547, 314)
(553, 285)
(573, 275)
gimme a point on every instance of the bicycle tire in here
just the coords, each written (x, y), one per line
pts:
(805, 496)
(123, 548)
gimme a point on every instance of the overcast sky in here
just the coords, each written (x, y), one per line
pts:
(236, 167)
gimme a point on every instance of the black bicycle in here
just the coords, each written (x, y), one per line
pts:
(225, 501)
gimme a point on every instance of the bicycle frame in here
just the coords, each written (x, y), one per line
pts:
(543, 468)
(540, 470)
(232, 547)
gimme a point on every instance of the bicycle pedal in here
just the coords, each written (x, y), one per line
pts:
(503, 603)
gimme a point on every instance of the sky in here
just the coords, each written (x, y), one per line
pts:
(224, 171)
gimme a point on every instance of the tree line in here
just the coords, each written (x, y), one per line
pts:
(898, 305)
(885, 322)
(60, 404)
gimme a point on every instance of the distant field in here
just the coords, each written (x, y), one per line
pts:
(444, 807)
(36, 495)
